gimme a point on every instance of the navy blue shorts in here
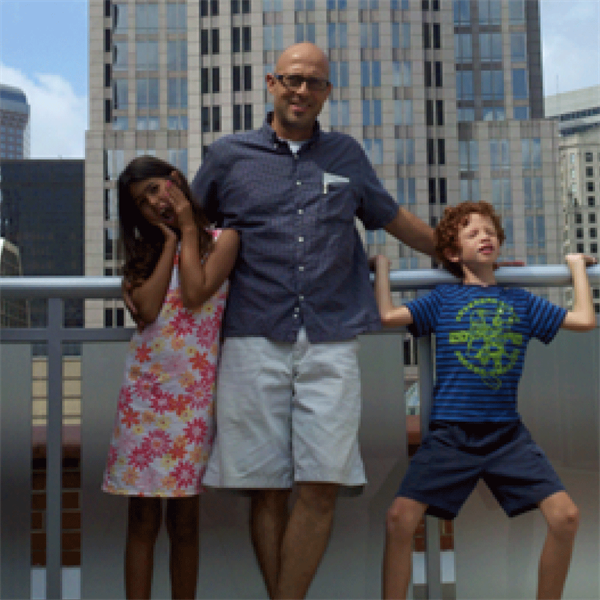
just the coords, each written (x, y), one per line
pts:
(454, 456)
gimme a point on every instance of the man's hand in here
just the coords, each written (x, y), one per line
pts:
(573, 259)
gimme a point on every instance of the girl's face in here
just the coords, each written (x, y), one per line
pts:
(153, 200)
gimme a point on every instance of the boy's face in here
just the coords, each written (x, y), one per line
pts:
(478, 243)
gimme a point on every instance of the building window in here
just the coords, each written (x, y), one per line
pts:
(403, 112)
(176, 17)
(490, 47)
(177, 55)
(146, 18)
(519, 84)
(591, 201)
(402, 73)
(464, 85)
(593, 233)
(369, 35)
(490, 12)
(463, 48)
(589, 157)
(518, 47)
(468, 151)
(146, 55)
(400, 35)
(462, 12)
(592, 218)
(339, 111)
(589, 171)
(492, 85)
(177, 92)
(589, 186)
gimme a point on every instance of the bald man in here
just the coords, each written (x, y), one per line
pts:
(288, 395)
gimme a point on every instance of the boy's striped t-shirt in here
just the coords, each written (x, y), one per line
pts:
(481, 335)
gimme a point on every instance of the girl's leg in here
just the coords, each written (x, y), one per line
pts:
(403, 518)
(183, 526)
(144, 519)
(562, 517)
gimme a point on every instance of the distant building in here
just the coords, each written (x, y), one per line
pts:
(14, 123)
(41, 213)
(445, 97)
(13, 313)
(578, 117)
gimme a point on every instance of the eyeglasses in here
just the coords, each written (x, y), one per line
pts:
(294, 82)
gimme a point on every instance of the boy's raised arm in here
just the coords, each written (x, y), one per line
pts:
(582, 316)
(391, 316)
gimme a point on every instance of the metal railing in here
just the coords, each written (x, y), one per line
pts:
(56, 289)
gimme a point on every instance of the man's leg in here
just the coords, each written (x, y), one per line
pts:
(268, 521)
(305, 538)
(562, 517)
(403, 518)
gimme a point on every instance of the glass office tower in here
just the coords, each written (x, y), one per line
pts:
(446, 98)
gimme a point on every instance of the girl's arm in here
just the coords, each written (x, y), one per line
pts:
(391, 316)
(148, 298)
(582, 316)
(200, 280)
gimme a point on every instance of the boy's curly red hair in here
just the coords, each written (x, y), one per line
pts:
(455, 217)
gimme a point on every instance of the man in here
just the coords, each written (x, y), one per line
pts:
(288, 398)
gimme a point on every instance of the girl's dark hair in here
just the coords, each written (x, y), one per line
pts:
(455, 217)
(143, 242)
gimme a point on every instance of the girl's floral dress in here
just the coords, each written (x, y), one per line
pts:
(164, 424)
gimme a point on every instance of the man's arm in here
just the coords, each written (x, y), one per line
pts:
(413, 232)
(582, 316)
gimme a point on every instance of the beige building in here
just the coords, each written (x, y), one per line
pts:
(578, 116)
(446, 98)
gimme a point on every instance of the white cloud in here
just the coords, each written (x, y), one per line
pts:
(58, 116)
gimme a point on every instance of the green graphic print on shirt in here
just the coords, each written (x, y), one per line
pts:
(491, 348)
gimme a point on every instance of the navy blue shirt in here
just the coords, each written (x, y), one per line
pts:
(301, 259)
(481, 335)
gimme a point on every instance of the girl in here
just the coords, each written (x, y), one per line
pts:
(176, 270)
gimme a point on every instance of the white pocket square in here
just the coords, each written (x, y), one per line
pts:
(332, 179)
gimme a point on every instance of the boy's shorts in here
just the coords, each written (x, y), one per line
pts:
(285, 413)
(454, 456)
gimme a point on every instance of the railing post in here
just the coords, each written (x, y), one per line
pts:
(432, 527)
(54, 451)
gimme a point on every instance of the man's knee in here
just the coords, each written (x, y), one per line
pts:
(319, 497)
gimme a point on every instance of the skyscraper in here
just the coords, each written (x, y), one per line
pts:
(578, 117)
(446, 98)
(14, 123)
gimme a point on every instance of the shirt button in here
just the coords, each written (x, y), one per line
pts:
(298, 183)
(300, 211)
(301, 298)
(300, 239)
(301, 268)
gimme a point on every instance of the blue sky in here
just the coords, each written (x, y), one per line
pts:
(44, 51)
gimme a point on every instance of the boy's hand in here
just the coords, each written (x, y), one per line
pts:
(575, 258)
(378, 261)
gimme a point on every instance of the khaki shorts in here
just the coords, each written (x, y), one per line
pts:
(286, 413)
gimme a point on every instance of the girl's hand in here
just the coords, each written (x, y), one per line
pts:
(587, 260)
(181, 206)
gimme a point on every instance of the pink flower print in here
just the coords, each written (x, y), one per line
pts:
(146, 386)
(127, 441)
(183, 323)
(207, 331)
(173, 299)
(175, 365)
(112, 457)
(199, 361)
(143, 353)
(185, 474)
(130, 476)
(130, 417)
(169, 482)
(195, 430)
(180, 403)
(157, 443)
(124, 399)
(160, 401)
(140, 457)
(149, 481)
(178, 450)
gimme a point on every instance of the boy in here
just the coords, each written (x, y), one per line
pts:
(482, 331)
